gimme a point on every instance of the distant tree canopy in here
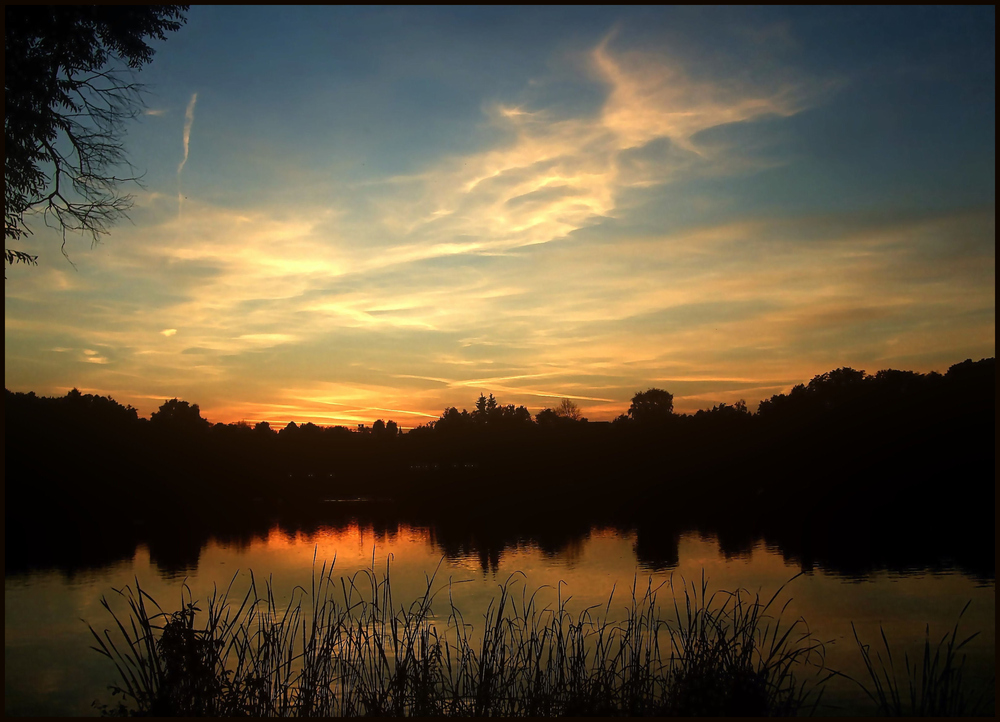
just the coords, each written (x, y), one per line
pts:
(548, 417)
(845, 393)
(177, 415)
(490, 413)
(844, 387)
(833, 387)
(651, 406)
(66, 103)
(86, 410)
(738, 410)
(453, 420)
(385, 429)
(566, 412)
(840, 425)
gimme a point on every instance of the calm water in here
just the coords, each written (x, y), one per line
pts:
(50, 669)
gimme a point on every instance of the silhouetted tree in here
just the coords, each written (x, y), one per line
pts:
(566, 413)
(569, 410)
(486, 410)
(651, 406)
(512, 417)
(981, 371)
(338, 432)
(177, 415)
(737, 410)
(66, 103)
(98, 410)
(841, 378)
(422, 432)
(453, 420)
(547, 417)
(310, 431)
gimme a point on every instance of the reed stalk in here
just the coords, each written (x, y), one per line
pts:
(346, 647)
(936, 687)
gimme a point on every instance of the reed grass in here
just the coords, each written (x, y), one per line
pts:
(936, 687)
(345, 647)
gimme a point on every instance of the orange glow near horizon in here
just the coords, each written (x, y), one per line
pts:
(320, 410)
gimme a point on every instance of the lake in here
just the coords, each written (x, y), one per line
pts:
(51, 670)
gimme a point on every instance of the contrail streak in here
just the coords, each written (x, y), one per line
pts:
(188, 122)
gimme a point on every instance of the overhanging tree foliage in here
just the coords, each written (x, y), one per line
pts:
(69, 90)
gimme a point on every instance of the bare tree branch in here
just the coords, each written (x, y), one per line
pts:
(69, 93)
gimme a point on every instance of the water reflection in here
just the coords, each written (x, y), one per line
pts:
(903, 545)
(47, 647)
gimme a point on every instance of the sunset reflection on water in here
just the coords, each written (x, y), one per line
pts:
(50, 665)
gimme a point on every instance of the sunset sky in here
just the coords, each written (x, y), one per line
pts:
(360, 213)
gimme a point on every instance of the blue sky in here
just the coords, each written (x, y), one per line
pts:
(387, 211)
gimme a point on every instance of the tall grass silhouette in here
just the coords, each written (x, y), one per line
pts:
(936, 687)
(345, 647)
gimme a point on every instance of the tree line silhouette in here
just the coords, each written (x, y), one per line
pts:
(835, 468)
